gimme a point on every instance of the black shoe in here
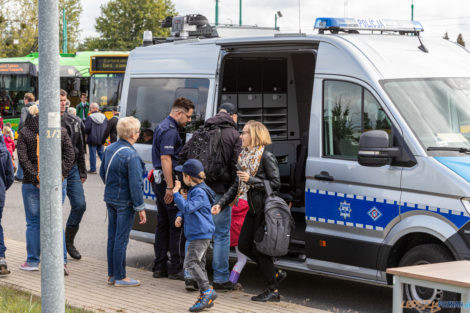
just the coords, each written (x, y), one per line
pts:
(177, 276)
(191, 285)
(280, 276)
(268, 295)
(160, 274)
(228, 285)
(18, 179)
(70, 233)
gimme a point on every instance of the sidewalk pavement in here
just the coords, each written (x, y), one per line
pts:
(86, 288)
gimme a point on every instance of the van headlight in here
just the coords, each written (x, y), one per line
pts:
(466, 204)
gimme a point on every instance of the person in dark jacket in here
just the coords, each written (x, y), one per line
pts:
(6, 180)
(226, 119)
(257, 164)
(28, 156)
(77, 176)
(111, 130)
(121, 171)
(28, 101)
(95, 126)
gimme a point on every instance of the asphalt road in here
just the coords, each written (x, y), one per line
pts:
(314, 291)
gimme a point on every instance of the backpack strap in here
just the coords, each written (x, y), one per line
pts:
(267, 187)
(110, 161)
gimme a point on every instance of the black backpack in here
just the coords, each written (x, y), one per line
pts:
(206, 146)
(278, 226)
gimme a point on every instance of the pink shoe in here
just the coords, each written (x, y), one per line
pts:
(28, 267)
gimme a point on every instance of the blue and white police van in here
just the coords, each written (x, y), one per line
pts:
(370, 125)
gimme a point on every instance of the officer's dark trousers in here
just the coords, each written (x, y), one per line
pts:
(248, 248)
(167, 236)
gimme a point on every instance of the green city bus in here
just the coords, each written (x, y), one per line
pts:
(20, 75)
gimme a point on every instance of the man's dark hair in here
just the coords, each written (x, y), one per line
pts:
(83, 94)
(183, 103)
(63, 93)
(148, 132)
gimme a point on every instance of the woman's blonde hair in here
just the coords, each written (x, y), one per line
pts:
(7, 132)
(194, 180)
(33, 110)
(127, 126)
(259, 134)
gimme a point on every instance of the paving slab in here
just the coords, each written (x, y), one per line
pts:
(86, 287)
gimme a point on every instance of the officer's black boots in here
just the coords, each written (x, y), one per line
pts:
(70, 233)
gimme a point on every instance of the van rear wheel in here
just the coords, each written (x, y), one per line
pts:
(427, 254)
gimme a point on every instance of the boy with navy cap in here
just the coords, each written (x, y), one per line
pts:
(198, 227)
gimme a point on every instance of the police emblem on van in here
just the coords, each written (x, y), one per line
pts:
(345, 209)
(374, 213)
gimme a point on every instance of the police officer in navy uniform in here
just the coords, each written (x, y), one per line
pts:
(166, 146)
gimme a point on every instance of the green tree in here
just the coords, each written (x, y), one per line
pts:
(460, 40)
(446, 36)
(123, 22)
(19, 25)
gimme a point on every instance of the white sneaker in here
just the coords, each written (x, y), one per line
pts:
(28, 267)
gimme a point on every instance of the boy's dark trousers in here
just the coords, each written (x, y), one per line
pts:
(195, 262)
(167, 236)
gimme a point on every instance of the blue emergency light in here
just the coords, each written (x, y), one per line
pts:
(336, 25)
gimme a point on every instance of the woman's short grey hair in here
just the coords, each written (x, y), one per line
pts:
(127, 126)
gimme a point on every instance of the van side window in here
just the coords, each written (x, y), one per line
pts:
(150, 100)
(348, 111)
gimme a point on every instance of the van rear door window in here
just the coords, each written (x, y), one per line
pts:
(150, 99)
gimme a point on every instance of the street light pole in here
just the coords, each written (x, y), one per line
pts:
(240, 19)
(216, 12)
(50, 175)
(64, 32)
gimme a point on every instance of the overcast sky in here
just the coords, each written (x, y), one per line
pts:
(437, 16)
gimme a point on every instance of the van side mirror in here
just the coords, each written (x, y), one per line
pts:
(374, 149)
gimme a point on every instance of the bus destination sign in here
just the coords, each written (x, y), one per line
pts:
(14, 68)
(108, 64)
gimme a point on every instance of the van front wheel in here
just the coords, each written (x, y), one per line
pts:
(427, 254)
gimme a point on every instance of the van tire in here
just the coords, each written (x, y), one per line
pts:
(426, 254)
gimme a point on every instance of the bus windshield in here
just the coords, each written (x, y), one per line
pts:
(105, 89)
(436, 109)
(12, 90)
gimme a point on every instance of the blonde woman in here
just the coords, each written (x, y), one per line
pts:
(122, 171)
(257, 164)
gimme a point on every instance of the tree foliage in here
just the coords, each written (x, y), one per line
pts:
(123, 22)
(19, 25)
(460, 40)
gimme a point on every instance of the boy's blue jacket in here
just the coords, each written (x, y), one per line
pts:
(196, 212)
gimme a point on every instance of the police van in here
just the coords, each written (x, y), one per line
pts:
(370, 126)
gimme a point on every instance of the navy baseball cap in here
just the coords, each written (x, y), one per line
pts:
(229, 107)
(191, 167)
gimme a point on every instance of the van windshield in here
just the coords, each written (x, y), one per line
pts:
(436, 109)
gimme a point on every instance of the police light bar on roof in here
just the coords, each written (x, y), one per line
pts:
(355, 24)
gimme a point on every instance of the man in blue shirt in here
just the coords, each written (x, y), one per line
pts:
(166, 146)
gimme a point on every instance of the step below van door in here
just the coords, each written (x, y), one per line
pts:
(349, 208)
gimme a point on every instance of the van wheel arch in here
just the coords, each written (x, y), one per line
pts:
(405, 244)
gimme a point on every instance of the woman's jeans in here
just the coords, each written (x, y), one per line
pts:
(32, 212)
(119, 228)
